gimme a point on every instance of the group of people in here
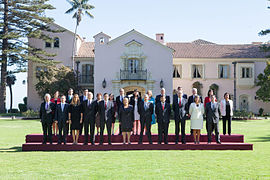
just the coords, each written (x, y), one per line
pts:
(73, 114)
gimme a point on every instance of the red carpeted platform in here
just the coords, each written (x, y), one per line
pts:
(31, 138)
(233, 142)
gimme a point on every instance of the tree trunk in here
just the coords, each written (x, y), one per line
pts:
(73, 46)
(4, 61)
(11, 97)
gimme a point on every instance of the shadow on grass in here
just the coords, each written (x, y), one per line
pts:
(11, 150)
(19, 119)
(261, 139)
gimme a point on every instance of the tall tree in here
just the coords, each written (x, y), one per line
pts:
(79, 8)
(22, 19)
(11, 78)
(52, 79)
(263, 92)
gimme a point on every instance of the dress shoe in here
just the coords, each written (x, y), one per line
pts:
(50, 142)
(85, 143)
(110, 143)
(176, 142)
(218, 142)
(43, 142)
(183, 142)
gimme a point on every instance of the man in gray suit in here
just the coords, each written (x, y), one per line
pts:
(180, 115)
(212, 112)
(106, 112)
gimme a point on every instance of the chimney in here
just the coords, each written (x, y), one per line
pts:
(160, 37)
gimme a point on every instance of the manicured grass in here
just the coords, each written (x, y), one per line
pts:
(15, 164)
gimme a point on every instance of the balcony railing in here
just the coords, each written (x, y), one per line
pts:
(136, 75)
(86, 79)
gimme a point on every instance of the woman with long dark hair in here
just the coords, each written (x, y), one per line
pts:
(75, 117)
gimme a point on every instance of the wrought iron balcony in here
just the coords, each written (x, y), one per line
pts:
(86, 79)
(135, 75)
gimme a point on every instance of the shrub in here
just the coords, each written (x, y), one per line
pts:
(22, 107)
(13, 111)
(261, 111)
(31, 114)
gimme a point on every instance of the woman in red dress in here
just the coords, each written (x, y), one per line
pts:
(56, 100)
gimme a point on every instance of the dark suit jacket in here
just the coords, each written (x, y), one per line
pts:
(212, 114)
(81, 99)
(46, 115)
(180, 112)
(176, 96)
(67, 100)
(145, 114)
(106, 115)
(158, 99)
(61, 116)
(132, 101)
(89, 112)
(119, 103)
(163, 115)
(191, 100)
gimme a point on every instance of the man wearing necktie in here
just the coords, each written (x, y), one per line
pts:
(213, 112)
(46, 117)
(180, 115)
(119, 103)
(163, 112)
(106, 112)
(61, 118)
(90, 109)
(146, 109)
(83, 98)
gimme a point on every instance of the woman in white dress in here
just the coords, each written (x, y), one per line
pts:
(196, 111)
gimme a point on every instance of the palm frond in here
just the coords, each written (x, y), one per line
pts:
(89, 14)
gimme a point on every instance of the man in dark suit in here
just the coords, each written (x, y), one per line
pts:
(180, 115)
(45, 113)
(162, 93)
(83, 98)
(163, 112)
(146, 109)
(106, 112)
(119, 103)
(181, 89)
(90, 108)
(68, 101)
(61, 118)
(191, 100)
(213, 112)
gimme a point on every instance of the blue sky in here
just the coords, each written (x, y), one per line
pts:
(223, 22)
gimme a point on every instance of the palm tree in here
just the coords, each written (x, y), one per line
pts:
(11, 78)
(80, 7)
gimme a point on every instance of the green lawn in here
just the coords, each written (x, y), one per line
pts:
(15, 164)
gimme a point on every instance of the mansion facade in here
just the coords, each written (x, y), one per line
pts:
(135, 61)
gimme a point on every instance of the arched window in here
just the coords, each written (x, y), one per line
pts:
(56, 43)
(48, 45)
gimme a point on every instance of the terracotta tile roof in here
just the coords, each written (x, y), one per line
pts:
(205, 49)
(86, 50)
(197, 49)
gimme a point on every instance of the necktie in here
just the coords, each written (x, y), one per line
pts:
(105, 105)
(62, 107)
(163, 106)
(47, 106)
(89, 103)
(145, 106)
(180, 102)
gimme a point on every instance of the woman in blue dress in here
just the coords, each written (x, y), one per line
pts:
(152, 100)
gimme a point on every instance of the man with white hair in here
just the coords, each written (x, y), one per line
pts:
(45, 113)
(162, 93)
